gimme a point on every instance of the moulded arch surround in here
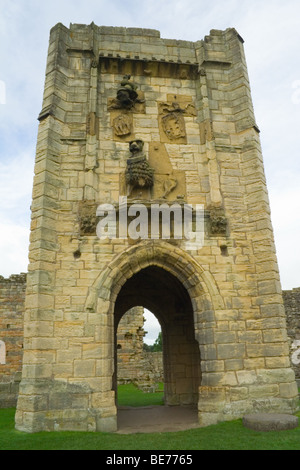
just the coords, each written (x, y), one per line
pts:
(199, 283)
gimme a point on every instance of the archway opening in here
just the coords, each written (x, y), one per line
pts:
(139, 365)
(162, 293)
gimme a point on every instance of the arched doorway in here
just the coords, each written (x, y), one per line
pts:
(194, 296)
(161, 292)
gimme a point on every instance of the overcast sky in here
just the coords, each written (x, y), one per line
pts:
(271, 30)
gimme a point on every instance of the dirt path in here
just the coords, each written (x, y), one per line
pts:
(156, 419)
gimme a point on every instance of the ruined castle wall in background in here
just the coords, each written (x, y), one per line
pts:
(135, 365)
(12, 296)
(291, 299)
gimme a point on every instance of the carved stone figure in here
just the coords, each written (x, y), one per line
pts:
(173, 125)
(168, 185)
(171, 118)
(138, 173)
(126, 94)
(187, 108)
(88, 224)
(87, 218)
(218, 221)
(122, 124)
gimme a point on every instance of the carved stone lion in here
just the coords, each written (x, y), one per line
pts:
(138, 173)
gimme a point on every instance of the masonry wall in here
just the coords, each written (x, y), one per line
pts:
(291, 300)
(134, 364)
(12, 297)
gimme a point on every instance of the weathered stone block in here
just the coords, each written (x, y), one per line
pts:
(288, 390)
(84, 368)
(246, 377)
(231, 351)
(270, 422)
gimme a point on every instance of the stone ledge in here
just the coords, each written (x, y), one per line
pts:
(270, 421)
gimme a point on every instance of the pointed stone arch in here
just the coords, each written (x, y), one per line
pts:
(199, 284)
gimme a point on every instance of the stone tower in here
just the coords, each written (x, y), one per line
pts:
(131, 120)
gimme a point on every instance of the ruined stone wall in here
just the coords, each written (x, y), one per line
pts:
(291, 300)
(12, 297)
(130, 346)
(134, 364)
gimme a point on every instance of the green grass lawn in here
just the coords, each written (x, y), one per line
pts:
(224, 436)
(129, 395)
